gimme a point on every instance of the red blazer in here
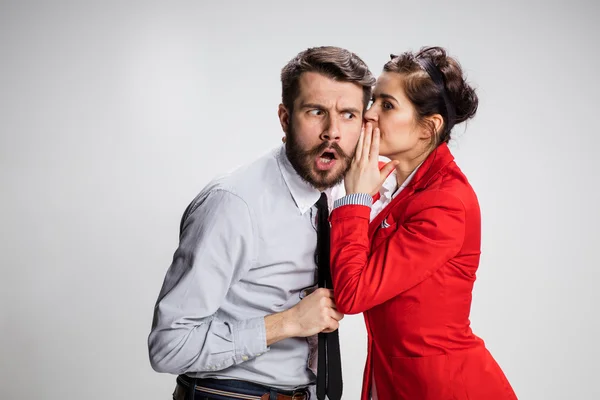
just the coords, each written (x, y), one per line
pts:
(411, 271)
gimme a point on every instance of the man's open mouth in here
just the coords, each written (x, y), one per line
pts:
(327, 156)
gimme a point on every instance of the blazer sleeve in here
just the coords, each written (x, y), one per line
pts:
(431, 234)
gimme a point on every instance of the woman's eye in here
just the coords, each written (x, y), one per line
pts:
(387, 105)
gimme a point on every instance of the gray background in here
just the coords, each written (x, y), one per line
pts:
(113, 115)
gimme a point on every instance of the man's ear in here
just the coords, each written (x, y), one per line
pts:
(284, 118)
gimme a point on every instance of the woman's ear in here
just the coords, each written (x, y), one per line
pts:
(438, 123)
(435, 121)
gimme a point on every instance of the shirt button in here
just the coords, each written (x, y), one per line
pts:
(245, 357)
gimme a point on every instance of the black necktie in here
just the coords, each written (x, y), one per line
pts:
(329, 372)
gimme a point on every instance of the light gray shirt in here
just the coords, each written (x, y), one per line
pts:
(246, 250)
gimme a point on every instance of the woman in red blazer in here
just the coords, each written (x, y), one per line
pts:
(411, 266)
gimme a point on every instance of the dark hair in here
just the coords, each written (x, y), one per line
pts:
(447, 94)
(333, 62)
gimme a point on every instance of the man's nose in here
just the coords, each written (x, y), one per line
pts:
(332, 132)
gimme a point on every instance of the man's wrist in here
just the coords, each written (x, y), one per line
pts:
(279, 326)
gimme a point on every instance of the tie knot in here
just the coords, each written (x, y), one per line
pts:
(322, 203)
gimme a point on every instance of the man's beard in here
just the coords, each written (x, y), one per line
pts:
(303, 162)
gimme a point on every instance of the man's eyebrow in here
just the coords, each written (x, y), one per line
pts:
(312, 105)
(322, 107)
(351, 110)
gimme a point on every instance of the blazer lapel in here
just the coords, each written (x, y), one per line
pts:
(433, 165)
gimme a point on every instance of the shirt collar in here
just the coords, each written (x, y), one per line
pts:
(390, 188)
(304, 194)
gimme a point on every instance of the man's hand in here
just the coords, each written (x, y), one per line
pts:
(314, 314)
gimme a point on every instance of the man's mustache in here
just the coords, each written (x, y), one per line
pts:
(315, 151)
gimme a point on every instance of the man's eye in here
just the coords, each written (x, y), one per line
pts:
(348, 115)
(316, 112)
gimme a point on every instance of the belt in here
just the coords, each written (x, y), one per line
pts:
(233, 389)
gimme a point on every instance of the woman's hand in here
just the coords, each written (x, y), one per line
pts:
(364, 175)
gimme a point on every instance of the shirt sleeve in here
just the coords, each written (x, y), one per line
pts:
(359, 199)
(216, 246)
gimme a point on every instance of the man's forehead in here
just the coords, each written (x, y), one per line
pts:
(320, 89)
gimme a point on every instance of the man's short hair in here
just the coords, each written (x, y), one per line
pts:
(333, 62)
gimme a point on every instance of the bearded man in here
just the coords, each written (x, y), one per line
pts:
(239, 315)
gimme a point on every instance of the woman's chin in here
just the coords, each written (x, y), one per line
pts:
(383, 152)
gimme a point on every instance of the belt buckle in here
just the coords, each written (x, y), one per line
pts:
(299, 395)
